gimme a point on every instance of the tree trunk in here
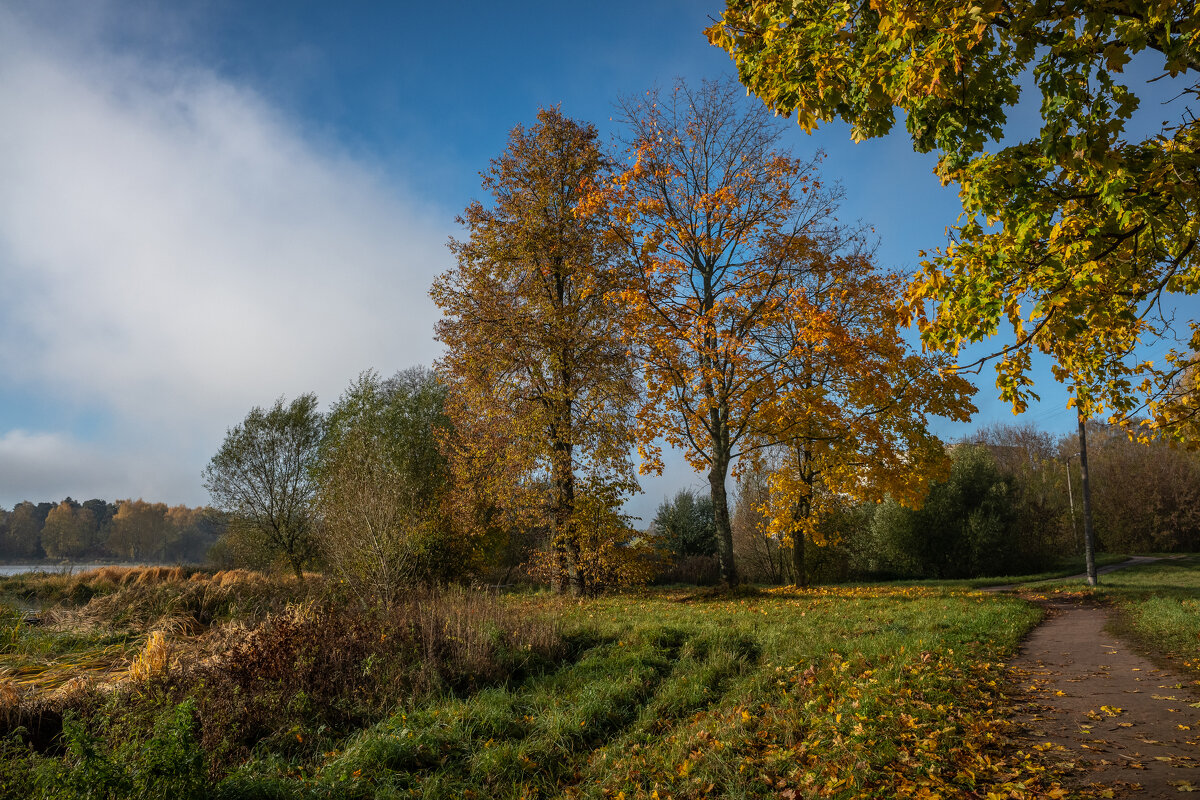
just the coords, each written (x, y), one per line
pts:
(1089, 539)
(798, 554)
(571, 575)
(562, 583)
(800, 512)
(720, 501)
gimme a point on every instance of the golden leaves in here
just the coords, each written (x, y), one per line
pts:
(541, 382)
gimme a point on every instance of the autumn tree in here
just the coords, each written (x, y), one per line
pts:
(714, 219)
(139, 530)
(261, 477)
(541, 385)
(22, 539)
(760, 551)
(69, 530)
(848, 421)
(192, 532)
(1074, 237)
(1038, 463)
(1146, 495)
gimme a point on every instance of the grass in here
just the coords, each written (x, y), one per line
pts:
(92, 623)
(884, 691)
(849, 692)
(33, 656)
(1068, 566)
(1065, 567)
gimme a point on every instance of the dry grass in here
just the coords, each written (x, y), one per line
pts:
(257, 656)
(152, 661)
(112, 624)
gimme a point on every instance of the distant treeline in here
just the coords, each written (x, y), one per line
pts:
(1010, 505)
(125, 530)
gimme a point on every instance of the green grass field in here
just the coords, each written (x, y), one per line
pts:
(874, 691)
(829, 692)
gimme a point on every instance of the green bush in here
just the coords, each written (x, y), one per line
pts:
(169, 764)
(967, 526)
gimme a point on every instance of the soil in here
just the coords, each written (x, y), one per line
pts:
(1125, 722)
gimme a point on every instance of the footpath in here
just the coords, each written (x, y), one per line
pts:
(1123, 721)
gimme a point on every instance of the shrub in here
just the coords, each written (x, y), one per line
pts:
(168, 764)
(966, 527)
(323, 669)
(382, 488)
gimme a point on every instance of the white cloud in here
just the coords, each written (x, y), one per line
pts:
(31, 461)
(174, 250)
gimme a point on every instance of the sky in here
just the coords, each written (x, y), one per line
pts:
(205, 206)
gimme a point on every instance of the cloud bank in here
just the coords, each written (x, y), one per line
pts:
(173, 251)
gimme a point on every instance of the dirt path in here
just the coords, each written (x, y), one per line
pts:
(1123, 721)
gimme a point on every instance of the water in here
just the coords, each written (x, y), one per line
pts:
(56, 569)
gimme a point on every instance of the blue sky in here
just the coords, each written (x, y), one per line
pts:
(207, 205)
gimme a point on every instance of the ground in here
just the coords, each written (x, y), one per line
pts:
(1123, 720)
(1119, 722)
(850, 691)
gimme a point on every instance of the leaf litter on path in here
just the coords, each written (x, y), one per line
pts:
(1124, 722)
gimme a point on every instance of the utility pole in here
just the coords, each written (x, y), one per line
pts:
(1071, 500)
(1089, 540)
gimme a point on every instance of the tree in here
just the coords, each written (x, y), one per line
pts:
(23, 538)
(965, 528)
(191, 533)
(723, 230)
(1146, 495)
(1074, 237)
(541, 385)
(848, 419)
(760, 552)
(139, 530)
(1034, 460)
(611, 553)
(103, 512)
(382, 483)
(685, 525)
(69, 531)
(261, 476)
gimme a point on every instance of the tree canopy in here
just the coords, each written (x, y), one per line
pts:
(541, 383)
(849, 421)
(382, 482)
(261, 475)
(1073, 237)
(684, 525)
(712, 216)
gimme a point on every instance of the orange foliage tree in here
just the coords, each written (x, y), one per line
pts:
(849, 418)
(714, 220)
(760, 321)
(541, 385)
(139, 529)
(69, 531)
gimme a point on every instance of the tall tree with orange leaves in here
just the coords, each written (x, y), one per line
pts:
(849, 419)
(541, 385)
(735, 247)
(714, 219)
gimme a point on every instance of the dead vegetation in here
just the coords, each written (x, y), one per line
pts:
(260, 659)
